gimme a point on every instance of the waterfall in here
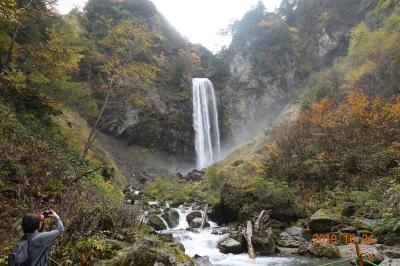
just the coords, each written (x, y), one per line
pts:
(205, 122)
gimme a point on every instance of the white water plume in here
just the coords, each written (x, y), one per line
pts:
(205, 122)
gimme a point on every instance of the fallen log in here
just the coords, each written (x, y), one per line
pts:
(86, 174)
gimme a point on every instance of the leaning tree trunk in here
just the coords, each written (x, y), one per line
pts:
(93, 132)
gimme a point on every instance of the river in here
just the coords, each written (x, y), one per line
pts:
(204, 243)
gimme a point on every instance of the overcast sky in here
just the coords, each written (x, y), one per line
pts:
(197, 20)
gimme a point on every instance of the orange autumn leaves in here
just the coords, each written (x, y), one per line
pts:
(356, 109)
(354, 139)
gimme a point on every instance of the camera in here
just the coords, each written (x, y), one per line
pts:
(47, 213)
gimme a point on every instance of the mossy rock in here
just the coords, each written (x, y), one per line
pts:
(322, 221)
(156, 222)
(264, 242)
(150, 251)
(171, 216)
(240, 200)
(326, 250)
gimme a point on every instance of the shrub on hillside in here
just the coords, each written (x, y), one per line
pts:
(388, 231)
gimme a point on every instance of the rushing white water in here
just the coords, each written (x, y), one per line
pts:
(204, 243)
(205, 122)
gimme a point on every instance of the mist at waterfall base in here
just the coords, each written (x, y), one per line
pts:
(205, 122)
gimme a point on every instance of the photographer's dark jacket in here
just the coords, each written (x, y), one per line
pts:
(40, 243)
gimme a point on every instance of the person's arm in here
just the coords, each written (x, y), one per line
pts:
(47, 238)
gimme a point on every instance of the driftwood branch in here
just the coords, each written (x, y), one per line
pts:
(86, 174)
(263, 219)
(248, 234)
(204, 217)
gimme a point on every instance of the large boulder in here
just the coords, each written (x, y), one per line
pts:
(194, 214)
(325, 250)
(322, 221)
(202, 260)
(149, 251)
(390, 252)
(171, 216)
(194, 175)
(303, 249)
(294, 231)
(264, 242)
(230, 245)
(390, 262)
(241, 199)
(289, 241)
(196, 223)
(156, 222)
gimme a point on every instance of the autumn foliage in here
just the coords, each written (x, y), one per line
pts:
(354, 141)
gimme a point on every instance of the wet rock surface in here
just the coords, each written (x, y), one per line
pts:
(230, 245)
(156, 222)
(196, 223)
(326, 250)
(171, 216)
(264, 242)
(289, 241)
(192, 215)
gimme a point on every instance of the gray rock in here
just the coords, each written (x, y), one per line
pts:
(230, 245)
(196, 223)
(288, 241)
(294, 231)
(264, 242)
(303, 249)
(219, 231)
(194, 175)
(156, 222)
(322, 221)
(390, 262)
(326, 250)
(202, 260)
(392, 252)
(171, 216)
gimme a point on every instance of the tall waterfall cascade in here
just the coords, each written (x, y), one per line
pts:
(205, 122)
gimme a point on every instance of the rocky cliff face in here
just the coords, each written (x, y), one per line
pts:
(164, 124)
(156, 115)
(264, 72)
(271, 56)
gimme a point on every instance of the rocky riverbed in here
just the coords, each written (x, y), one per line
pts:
(321, 239)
